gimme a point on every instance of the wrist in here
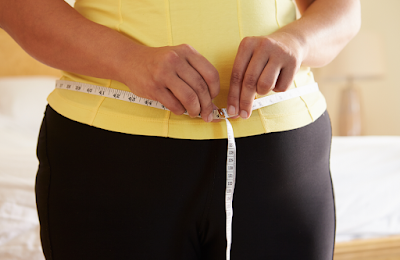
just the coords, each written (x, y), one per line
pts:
(296, 42)
(128, 61)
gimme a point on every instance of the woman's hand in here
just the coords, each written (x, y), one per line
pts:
(262, 64)
(178, 77)
(269, 63)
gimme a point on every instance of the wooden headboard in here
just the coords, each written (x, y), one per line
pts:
(16, 62)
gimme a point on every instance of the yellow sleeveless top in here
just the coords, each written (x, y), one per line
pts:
(214, 28)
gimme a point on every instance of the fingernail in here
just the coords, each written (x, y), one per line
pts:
(243, 114)
(231, 110)
(210, 117)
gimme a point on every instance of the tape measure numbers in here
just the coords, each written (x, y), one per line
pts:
(218, 114)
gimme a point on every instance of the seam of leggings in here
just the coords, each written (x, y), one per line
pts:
(333, 191)
(48, 197)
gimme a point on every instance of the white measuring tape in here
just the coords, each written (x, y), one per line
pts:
(218, 114)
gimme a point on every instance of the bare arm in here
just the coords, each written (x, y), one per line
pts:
(270, 62)
(330, 26)
(57, 35)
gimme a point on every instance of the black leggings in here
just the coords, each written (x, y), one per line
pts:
(107, 195)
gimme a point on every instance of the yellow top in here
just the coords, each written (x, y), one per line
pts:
(215, 29)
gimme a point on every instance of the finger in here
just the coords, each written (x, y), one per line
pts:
(247, 96)
(285, 78)
(207, 71)
(268, 78)
(185, 94)
(168, 100)
(189, 75)
(249, 86)
(242, 60)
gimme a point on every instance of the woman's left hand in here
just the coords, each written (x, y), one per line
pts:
(262, 64)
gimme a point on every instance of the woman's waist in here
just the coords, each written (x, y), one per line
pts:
(303, 77)
(284, 111)
(126, 117)
(113, 94)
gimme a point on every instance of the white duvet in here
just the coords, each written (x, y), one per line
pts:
(19, 225)
(366, 179)
(365, 172)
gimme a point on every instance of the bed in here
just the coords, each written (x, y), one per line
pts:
(365, 172)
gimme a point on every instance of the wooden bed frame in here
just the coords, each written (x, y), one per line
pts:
(15, 62)
(387, 248)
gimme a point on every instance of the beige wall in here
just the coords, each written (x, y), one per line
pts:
(380, 99)
(14, 61)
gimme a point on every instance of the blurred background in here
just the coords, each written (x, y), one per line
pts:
(362, 93)
(378, 89)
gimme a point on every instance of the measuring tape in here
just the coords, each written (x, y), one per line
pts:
(218, 114)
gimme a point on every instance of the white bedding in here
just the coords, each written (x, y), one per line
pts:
(366, 179)
(365, 172)
(22, 103)
(19, 226)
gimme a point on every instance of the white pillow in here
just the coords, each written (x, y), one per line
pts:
(23, 101)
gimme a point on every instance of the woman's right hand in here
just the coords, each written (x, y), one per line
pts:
(178, 77)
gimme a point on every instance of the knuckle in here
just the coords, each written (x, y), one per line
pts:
(292, 60)
(246, 41)
(263, 87)
(280, 50)
(250, 80)
(187, 48)
(190, 99)
(250, 87)
(201, 86)
(236, 77)
(171, 57)
(265, 42)
(212, 75)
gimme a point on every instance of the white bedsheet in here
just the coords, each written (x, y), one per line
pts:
(22, 103)
(19, 225)
(366, 178)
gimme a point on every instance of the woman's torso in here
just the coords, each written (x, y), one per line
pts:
(214, 29)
